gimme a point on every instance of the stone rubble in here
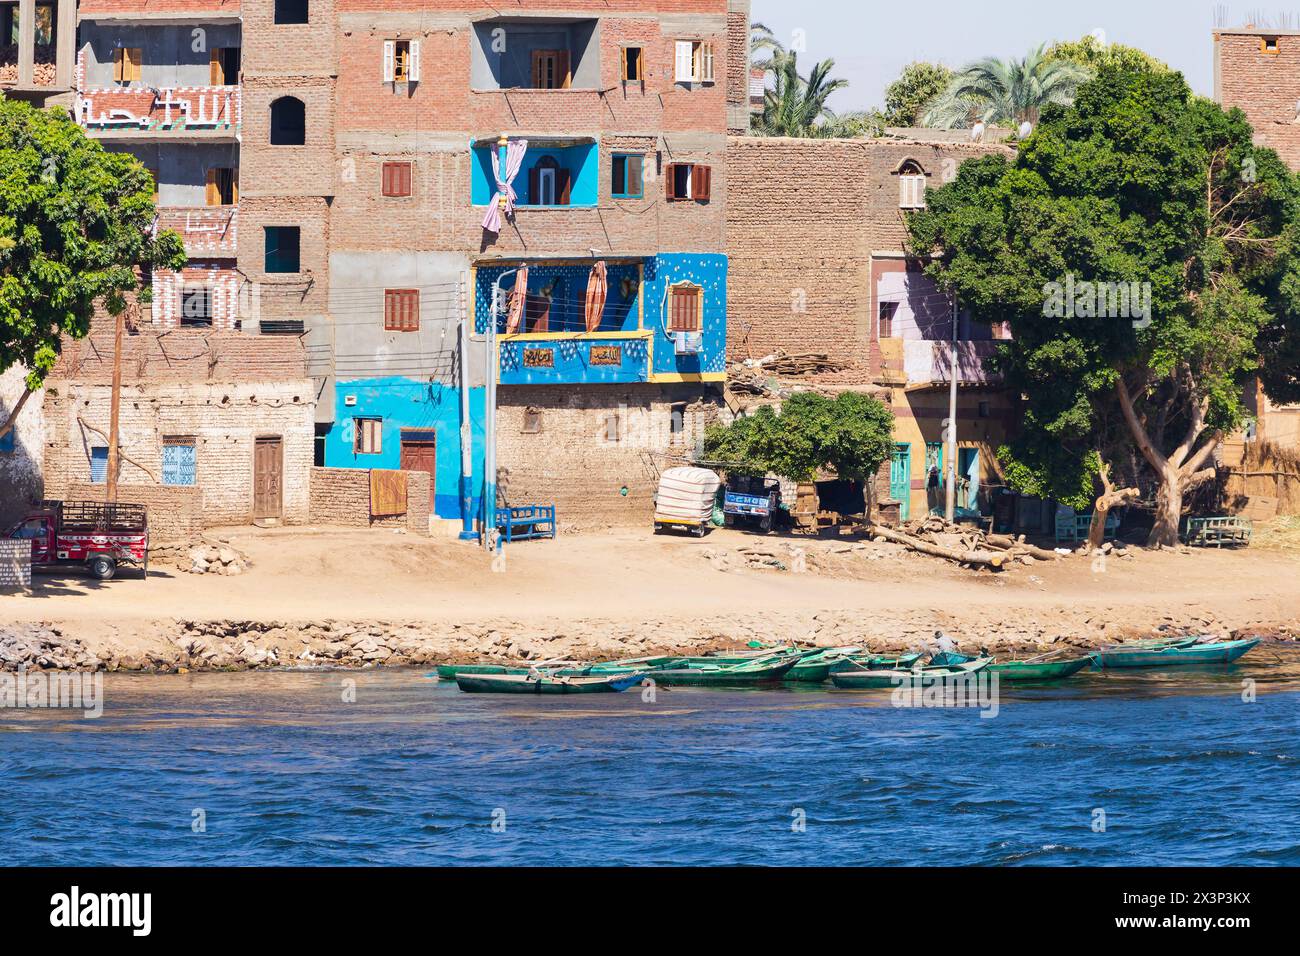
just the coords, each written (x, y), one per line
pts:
(234, 645)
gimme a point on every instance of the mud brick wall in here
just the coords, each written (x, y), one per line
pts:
(341, 496)
(223, 419)
(804, 220)
(571, 462)
(15, 564)
(175, 512)
(1265, 86)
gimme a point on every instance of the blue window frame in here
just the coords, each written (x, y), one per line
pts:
(98, 464)
(627, 176)
(178, 461)
(282, 246)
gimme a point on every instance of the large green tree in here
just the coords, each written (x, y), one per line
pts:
(851, 435)
(1141, 249)
(76, 225)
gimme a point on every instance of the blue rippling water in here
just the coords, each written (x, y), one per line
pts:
(287, 773)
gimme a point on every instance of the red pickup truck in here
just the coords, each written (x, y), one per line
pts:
(99, 535)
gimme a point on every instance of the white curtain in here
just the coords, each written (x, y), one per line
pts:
(515, 151)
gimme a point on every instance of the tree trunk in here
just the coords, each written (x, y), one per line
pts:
(1169, 510)
(1109, 499)
(11, 419)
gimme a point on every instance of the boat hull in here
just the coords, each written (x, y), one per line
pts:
(545, 686)
(722, 677)
(1046, 670)
(1175, 656)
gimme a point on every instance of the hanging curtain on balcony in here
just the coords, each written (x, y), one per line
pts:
(518, 300)
(515, 151)
(597, 289)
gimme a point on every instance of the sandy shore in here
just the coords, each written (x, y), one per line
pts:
(356, 598)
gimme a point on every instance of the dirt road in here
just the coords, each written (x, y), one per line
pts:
(314, 574)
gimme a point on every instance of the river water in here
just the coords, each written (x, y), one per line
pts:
(1137, 768)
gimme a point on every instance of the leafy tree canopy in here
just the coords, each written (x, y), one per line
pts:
(1141, 249)
(851, 435)
(75, 223)
(1091, 52)
(909, 96)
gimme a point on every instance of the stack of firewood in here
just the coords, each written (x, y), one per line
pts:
(965, 544)
(782, 362)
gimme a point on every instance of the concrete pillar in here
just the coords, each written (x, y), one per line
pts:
(26, 42)
(66, 53)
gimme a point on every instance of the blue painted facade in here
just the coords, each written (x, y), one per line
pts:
(404, 403)
(633, 343)
(581, 160)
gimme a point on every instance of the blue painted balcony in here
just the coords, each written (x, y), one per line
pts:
(664, 320)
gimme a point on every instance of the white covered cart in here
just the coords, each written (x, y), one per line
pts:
(685, 499)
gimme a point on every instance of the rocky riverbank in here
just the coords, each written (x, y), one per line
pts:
(182, 646)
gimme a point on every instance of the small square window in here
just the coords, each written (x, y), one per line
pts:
(196, 305)
(1269, 45)
(627, 180)
(632, 64)
(401, 310)
(677, 421)
(282, 248)
(368, 436)
(396, 180)
(178, 460)
(98, 464)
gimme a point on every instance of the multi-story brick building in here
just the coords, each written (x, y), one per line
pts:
(817, 244)
(330, 166)
(37, 50)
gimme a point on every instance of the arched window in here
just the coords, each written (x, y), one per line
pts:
(549, 184)
(288, 122)
(290, 11)
(911, 185)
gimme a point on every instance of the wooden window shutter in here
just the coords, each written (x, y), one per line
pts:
(135, 59)
(234, 185)
(633, 181)
(685, 62)
(563, 79)
(534, 186)
(539, 69)
(700, 183)
(670, 181)
(413, 62)
(563, 186)
(216, 75)
(390, 60)
(706, 73)
(212, 190)
(119, 64)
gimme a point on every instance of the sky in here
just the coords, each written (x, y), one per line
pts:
(872, 40)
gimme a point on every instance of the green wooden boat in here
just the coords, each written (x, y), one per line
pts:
(763, 670)
(815, 666)
(1218, 652)
(558, 668)
(546, 683)
(858, 662)
(1038, 670)
(895, 677)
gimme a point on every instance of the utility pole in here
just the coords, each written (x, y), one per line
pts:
(950, 503)
(110, 492)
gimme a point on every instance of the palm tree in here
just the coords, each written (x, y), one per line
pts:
(796, 106)
(764, 47)
(1006, 92)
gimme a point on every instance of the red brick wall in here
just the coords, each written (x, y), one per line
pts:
(804, 220)
(1265, 86)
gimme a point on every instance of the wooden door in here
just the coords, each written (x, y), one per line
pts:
(420, 453)
(268, 479)
(900, 479)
